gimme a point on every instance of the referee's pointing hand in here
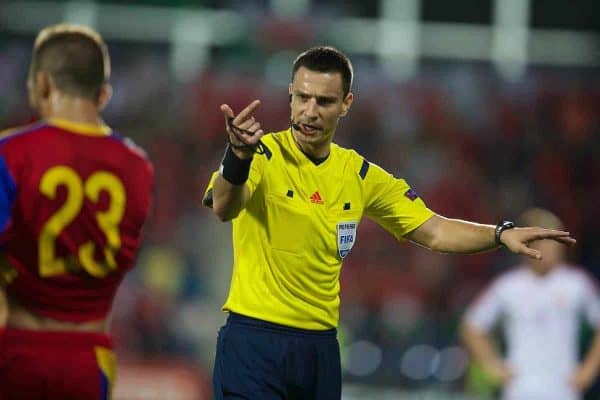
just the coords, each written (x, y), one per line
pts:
(243, 130)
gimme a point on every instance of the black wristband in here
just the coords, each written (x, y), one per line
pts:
(233, 169)
(501, 227)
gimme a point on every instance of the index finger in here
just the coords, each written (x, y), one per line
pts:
(246, 112)
(548, 234)
(565, 240)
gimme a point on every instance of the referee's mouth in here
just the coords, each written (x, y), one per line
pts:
(308, 129)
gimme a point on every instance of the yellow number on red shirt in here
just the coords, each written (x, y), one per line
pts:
(108, 220)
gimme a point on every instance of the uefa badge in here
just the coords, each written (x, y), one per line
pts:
(346, 236)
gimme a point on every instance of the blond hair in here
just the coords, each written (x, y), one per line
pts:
(75, 56)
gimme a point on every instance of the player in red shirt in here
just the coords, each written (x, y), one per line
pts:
(74, 196)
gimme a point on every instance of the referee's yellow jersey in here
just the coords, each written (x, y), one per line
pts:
(299, 224)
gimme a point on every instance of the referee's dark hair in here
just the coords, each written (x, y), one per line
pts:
(326, 59)
(75, 56)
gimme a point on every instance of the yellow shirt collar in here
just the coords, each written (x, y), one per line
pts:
(81, 127)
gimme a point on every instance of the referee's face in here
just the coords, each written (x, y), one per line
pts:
(317, 103)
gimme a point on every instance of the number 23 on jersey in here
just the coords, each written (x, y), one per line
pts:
(79, 190)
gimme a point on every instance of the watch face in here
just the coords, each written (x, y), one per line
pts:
(502, 226)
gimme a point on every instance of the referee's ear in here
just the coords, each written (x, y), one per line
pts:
(346, 104)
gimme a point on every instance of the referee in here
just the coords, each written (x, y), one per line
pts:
(296, 200)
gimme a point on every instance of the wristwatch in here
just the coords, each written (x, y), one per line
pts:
(501, 227)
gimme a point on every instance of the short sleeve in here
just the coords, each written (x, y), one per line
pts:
(486, 310)
(591, 301)
(392, 203)
(254, 179)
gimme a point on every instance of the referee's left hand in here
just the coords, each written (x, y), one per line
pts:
(518, 240)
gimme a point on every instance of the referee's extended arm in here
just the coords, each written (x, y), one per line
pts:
(228, 199)
(448, 235)
(230, 192)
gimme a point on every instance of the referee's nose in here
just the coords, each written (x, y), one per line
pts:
(312, 108)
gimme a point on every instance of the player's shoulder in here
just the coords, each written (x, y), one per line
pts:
(14, 133)
(576, 272)
(131, 157)
(515, 275)
(500, 286)
(132, 148)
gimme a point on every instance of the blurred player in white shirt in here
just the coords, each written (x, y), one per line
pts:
(539, 304)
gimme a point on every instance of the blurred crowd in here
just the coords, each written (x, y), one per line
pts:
(473, 146)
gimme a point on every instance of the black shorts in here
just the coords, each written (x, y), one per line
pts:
(259, 360)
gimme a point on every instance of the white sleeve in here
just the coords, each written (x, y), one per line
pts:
(486, 310)
(591, 301)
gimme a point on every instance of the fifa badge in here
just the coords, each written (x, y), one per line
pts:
(346, 236)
